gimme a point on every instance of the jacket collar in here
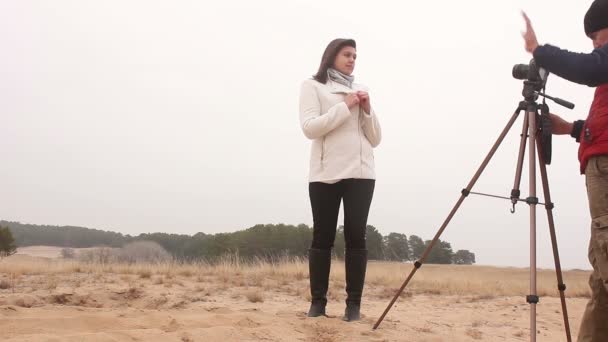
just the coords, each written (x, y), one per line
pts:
(337, 88)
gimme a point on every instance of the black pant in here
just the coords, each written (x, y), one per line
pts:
(325, 202)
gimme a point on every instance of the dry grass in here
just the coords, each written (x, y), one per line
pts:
(254, 296)
(52, 283)
(389, 293)
(145, 274)
(133, 293)
(186, 273)
(479, 282)
(483, 282)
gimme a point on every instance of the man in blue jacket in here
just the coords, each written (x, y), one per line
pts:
(592, 134)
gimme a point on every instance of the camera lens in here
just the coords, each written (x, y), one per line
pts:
(520, 71)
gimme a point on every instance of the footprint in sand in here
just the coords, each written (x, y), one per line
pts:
(219, 310)
(301, 315)
(290, 314)
(375, 336)
(172, 326)
(248, 323)
(9, 310)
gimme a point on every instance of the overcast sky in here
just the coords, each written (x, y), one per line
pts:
(182, 116)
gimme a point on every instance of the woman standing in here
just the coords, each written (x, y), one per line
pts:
(335, 113)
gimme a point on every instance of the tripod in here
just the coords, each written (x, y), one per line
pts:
(529, 135)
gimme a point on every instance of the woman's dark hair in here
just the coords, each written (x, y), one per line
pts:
(329, 56)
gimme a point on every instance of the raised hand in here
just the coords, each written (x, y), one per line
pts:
(529, 35)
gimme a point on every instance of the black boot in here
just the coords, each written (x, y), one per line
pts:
(355, 261)
(319, 261)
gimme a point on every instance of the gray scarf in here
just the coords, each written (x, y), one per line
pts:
(341, 78)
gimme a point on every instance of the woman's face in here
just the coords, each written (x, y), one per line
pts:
(345, 60)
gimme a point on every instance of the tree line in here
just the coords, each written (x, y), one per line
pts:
(260, 241)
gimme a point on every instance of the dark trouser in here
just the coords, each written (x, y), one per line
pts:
(325, 201)
(594, 326)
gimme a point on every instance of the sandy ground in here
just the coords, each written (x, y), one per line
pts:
(219, 317)
(105, 306)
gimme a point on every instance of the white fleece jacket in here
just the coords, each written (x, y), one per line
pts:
(342, 139)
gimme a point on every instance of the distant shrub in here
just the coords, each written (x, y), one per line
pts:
(143, 252)
(100, 255)
(68, 253)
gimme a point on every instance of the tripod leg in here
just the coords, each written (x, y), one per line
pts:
(532, 201)
(465, 192)
(515, 193)
(558, 270)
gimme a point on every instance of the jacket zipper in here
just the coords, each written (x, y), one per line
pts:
(322, 151)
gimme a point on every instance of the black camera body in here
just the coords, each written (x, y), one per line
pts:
(535, 75)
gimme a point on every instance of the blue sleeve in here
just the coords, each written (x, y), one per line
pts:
(584, 68)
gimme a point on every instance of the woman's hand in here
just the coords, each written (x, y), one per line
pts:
(364, 101)
(351, 100)
(529, 35)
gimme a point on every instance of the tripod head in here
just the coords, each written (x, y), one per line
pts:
(535, 81)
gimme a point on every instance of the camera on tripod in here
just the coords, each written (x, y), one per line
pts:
(531, 73)
(536, 133)
(535, 79)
